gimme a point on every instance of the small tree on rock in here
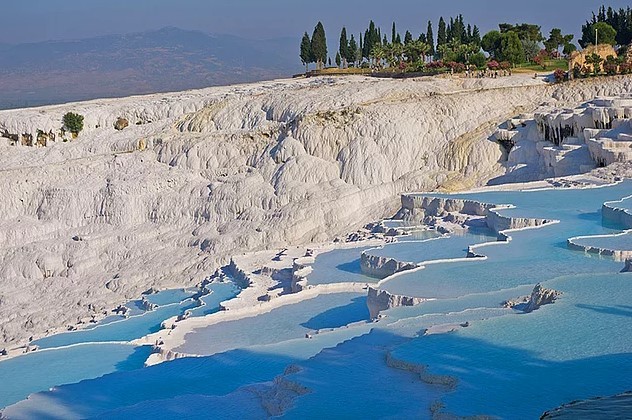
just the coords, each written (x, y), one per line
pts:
(73, 122)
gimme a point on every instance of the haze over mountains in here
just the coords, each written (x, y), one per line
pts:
(169, 59)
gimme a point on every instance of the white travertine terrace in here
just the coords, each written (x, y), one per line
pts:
(568, 141)
(201, 176)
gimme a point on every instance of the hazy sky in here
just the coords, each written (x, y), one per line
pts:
(37, 20)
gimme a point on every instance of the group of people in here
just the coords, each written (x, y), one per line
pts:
(492, 74)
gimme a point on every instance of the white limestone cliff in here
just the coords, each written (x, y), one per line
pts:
(200, 176)
(559, 141)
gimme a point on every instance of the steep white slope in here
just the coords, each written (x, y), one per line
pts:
(202, 175)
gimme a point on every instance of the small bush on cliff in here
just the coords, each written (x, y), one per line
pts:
(73, 122)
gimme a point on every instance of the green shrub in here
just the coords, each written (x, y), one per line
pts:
(478, 60)
(577, 71)
(73, 122)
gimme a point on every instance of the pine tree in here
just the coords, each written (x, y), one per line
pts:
(442, 36)
(344, 45)
(306, 51)
(511, 47)
(319, 46)
(430, 39)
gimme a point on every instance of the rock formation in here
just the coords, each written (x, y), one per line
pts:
(200, 176)
(120, 124)
(381, 300)
(613, 213)
(578, 58)
(557, 141)
(539, 296)
(382, 267)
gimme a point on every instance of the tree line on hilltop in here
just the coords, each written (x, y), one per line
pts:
(458, 45)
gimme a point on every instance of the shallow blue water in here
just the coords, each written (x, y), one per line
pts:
(579, 347)
(89, 345)
(148, 322)
(506, 363)
(338, 266)
(624, 204)
(219, 293)
(620, 242)
(449, 246)
(166, 297)
(281, 324)
(122, 330)
(43, 369)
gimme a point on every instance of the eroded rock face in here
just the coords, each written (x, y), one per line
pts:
(559, 141)
(539, 296)
(602, 50)
(381, 300)
(382, 267)
(203, 175)
(121, 123)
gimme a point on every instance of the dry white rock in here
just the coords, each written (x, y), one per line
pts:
(199, 176)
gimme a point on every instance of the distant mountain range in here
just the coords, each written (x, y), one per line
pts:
(169, 59)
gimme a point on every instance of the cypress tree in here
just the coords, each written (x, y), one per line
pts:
(468, 38)
(371, 38)
(408, 37)
(450, 31)
(442, 36)
(476, 36)
(306, 51)
(462, 34)
(430, 39)
(319, 46)
(344, 45)
(338, 60)
(393, 34)
(361, 47)
(352, 50)
(367, 42)
(385, 40)
(398, 39)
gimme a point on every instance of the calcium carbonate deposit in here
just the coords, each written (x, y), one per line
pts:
(253, 204)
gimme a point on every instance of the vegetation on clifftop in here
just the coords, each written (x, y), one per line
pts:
(459, 46)
(73, 122)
